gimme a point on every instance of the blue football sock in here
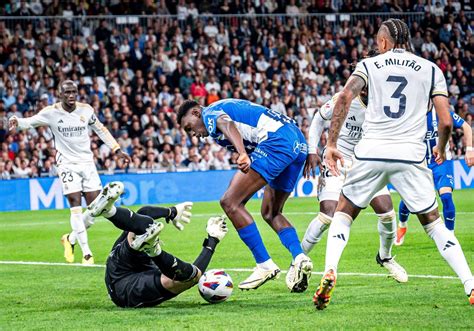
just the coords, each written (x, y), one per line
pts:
(449, 211)
(251, 237)
(403, 212)
(289, 239)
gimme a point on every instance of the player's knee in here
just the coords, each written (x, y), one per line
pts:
(74, 199)
(228, 204)
(268, 215)
(387, 217)
(444, 190)
(325, 219)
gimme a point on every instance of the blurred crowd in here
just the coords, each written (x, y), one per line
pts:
(135, 76)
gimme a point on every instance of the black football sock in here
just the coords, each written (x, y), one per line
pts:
(127, 220)
(174, 268)
(158, 212)
(208, 248)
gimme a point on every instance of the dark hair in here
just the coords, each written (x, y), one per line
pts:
(399, 32)
(185, 107)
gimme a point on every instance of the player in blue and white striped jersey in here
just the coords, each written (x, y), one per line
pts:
(442, 173)
(272, 151)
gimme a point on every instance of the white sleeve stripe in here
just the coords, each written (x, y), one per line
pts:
(326, 119)
(361, 75)
(439, 93)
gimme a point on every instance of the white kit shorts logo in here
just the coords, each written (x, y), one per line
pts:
(300, 147)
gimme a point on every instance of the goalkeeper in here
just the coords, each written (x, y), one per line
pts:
(138, 272)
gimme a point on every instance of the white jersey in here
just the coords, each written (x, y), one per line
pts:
(351, 130)
(71, 131)
(400, 86)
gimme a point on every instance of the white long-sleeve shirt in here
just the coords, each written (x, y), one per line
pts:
(351, 130)
(70, 131)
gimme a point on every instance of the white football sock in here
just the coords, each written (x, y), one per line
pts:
(315, 231)
(338, 236)
(77, 225)
(72, 238)
(387, 226)
(451, 250)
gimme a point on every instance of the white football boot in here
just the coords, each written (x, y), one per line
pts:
(149, 242)
(259, 277)
(106, 199)
(396, 271)
(299, 274)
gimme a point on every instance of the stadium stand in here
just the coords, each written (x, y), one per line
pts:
(135, 70)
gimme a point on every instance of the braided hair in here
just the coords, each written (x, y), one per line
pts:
(399, 32)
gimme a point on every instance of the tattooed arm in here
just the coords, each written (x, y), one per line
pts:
(353, 87)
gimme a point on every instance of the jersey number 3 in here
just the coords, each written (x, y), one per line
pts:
(397, 95)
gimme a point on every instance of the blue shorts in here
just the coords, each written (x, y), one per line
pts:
(442, 174)
(280, 158)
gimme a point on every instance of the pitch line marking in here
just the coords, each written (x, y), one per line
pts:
(357, 274)
(100, 220)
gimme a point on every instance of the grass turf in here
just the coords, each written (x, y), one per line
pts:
(69, 297)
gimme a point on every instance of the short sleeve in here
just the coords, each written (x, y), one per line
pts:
(457, 120)
(210, 116)
(361, 71)
(439, 87)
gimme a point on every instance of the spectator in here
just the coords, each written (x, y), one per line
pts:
(211, 30)
(4, 173)
(277, 105)
(136, 76)
(292, 8)
(198, 89)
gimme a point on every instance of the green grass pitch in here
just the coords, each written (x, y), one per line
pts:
(74, 297)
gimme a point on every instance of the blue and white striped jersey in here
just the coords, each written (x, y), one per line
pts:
(254, 122)
(431, 137)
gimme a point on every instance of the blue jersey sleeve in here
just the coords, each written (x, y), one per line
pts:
(210, 116)
(457, 120)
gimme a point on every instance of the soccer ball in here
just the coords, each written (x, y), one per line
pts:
(215, 286)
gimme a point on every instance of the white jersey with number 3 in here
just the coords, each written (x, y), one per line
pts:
(400, 86)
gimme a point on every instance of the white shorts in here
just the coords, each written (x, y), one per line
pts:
(79, 177)
(329, 186)
(414, 182)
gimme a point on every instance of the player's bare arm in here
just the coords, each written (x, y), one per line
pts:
(469, 157)
(229, 129)
(445, 124)
(352, 89)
